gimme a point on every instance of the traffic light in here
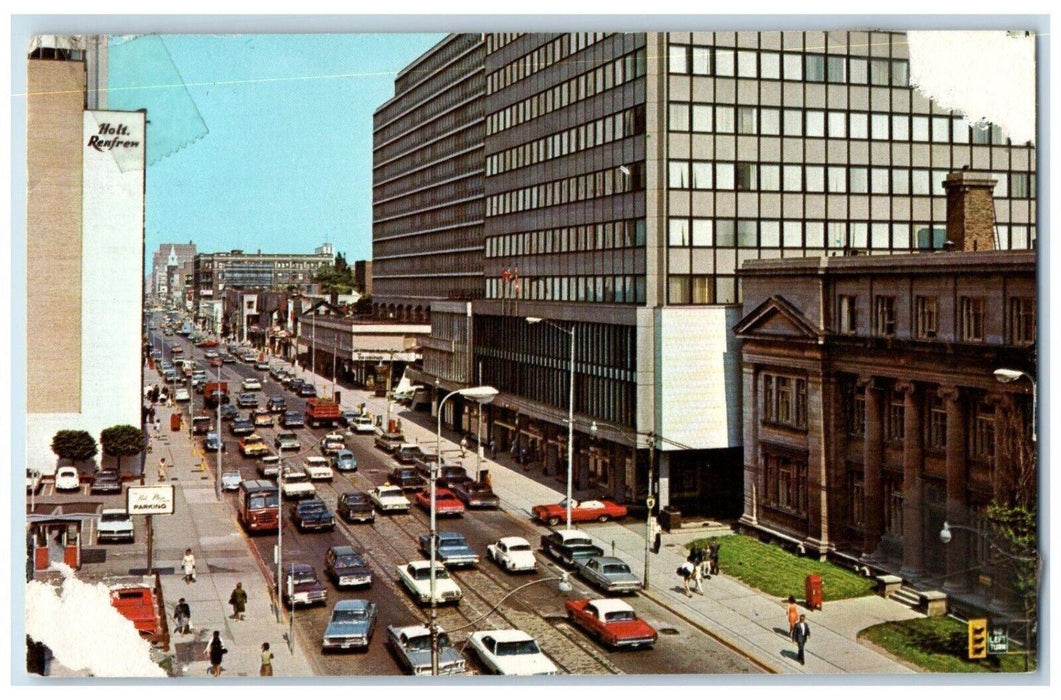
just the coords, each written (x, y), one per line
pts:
(977, 639)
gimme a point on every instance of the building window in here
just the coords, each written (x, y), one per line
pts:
(895, 427)
(982, 435)
(786, 483)
(784, 401)
(893, 507)
(856, 499)
(679, 58)
(936, 434)
(884, 315)
(814, 70)
(845, 313)
(971, 318)
(1022, 321)
(927, 317)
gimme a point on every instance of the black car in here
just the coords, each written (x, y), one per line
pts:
(354, 506)
(312, 514)
(106, 481)
(346, 567)
(307, 390)
(276, 404)
(407, 478)
(295, 384)
(241, 426)
(247, 400)
(292, 419)
(229, 412)
(475, 495)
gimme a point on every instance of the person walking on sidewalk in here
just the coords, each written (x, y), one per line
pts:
(793, 617)
(657, 535)
(188, 564)
(162, 469)
(801, 633)
(216, 651)
(238, 601)
(686, 572)
(182, 613)
(464, 446)
(698, 577)
(267, 661)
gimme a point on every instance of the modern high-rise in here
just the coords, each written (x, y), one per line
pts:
(628, 177)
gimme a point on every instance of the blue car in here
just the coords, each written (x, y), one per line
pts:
(350, 626)
(345, 461)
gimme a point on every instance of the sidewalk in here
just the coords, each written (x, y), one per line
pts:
(223, 558)
(743, 618)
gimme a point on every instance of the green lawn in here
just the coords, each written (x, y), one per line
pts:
(938, 645)
(776, 572)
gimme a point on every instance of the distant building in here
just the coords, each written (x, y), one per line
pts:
(325, 249)
(363, 277)
(170, 265)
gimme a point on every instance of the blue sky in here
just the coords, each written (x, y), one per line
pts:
(260, 141)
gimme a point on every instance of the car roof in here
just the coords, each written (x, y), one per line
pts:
(314, 459)
(352, 604)
(504, 635)
(450, 536)
(342, 550)
(509, 541)
(608, 560)
(608, 605)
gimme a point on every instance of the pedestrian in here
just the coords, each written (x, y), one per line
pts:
(238, 601)
(801, 633)
(182, 613)
(686, 572)
(793, 617)
(188, 564)
(162, 469)
(464, 446)
(712, 556)
(215, 651)
(657, 534)
(493, 449)
(267, 661)
(698, 576)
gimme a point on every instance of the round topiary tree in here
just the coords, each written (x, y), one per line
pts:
(122, 441)
(74, 445)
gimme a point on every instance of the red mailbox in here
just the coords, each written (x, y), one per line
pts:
(175, 421)
(813, 590)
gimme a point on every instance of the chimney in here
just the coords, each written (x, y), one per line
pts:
(970, 210)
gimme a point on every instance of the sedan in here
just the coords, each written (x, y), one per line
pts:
(251, 384)
(332, 444)
(416, 578)
(229, 412)
(106, 481)
(247, 400)
(231, 479)
(346, 567)
(181, 394)
(277, 404)
(287, 441)
(306, 588)
(241, 426)
(510, 653)
(213, 443)
(67, 479)
(262, 418)
(613, 622)
(512, 554)
(610, 574)
(451, 549)
(307, 391)
(411, 647)
(354, 506)
(269, 466)
(581, 511)
(445, 502)
(345, 461)
(476, 495)
(292, 419)
(351, 626)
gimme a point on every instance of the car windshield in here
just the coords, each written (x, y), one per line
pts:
(353, 499)
(304, 576)
(350, 560)
(616, 569)
(349, 615)
(114, 517)
(424, 573)
(271, 500)
(619, 616)
(525, 646)
(423, 642)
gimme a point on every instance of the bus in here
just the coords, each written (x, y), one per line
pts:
(259, 506)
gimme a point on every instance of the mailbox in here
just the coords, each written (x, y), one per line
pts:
(813, 590)
(175, 421)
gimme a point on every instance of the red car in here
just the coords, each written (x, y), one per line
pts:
(207, 344)
(581, 512)
(613, 622)
(446, 502)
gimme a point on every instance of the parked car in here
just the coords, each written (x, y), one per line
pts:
(231, 479)
(247, 400)
(610, 574)
(408, 453)
(307, 391)
(318, 468)
(115, 524)
(416, 578)
(276, 404)
(451, 549)
(389, 442)
(229, 412)
(295, 384)
(445, 502)
(350, 626)
(475, 494)
(332, 443)
(346, 567)
(346, 418)
(241, 426)
(612, 621)
(262, 418)
(269, 466)
(513, 554)
(389, 499)
(581, 512)
(411, 647)
(287, 441)
(345, 461)
(307, 588)
(253, 446)
(251, 384)
(33, 481)
(510, 653)
(67, 479)
(106, 481)
(312, 514)
(407, 478)
(213, 443)
(569, 546)
(292, 419)
(261, 365)
(354, 506)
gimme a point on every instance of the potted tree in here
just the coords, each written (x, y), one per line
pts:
(122, 441)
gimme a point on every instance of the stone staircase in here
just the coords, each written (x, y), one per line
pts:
(928, 602)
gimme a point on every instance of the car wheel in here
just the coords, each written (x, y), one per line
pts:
(604, 518)
(553, 521)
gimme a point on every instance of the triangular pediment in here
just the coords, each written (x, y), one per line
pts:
(777, 317)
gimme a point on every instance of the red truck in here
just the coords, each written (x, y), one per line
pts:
(139, 604)
(215, 393)
(321, 412)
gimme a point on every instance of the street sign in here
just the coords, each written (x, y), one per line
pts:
(998, 639)
(149, 500)
(650, 502)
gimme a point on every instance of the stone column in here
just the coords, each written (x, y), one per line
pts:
(913, 457)
(819, 392)
(957, 550)
(752, 466)
(873, 456)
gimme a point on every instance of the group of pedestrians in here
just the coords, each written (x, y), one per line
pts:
(700, 564)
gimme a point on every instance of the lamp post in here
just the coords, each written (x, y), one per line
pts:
(1005, 376)
(570, 410)
(217, 469)
(280, 530)
(481, 395)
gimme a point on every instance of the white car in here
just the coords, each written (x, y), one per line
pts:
(251, 384)
(114, 524)
(332, 443)
(318, 468)
(511, 653)
(67, 479)
(363, 424)
(295, 483)
(389, 499)
(416, 577)
(231, 479)
(181, 394)
(512, 554)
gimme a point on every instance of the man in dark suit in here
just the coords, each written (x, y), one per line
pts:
(801, 634)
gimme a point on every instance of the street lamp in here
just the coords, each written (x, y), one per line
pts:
(481, 395)
(570, 410)
(1005, 376)
(280, 531)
